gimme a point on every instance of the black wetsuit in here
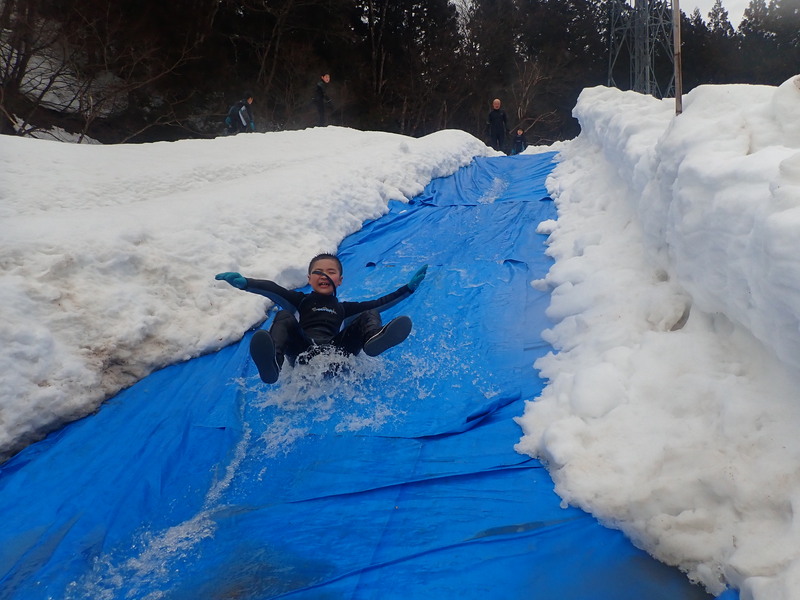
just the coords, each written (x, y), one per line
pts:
(315, 319)
(496, 124)
(321, 101)
(519, 144)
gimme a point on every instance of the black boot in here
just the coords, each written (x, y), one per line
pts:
(391, 334)
(262, 351)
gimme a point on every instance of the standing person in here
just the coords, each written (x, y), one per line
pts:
(310, 322)
(520, 143)
(321, 99)
(240, 117)
(497, 125)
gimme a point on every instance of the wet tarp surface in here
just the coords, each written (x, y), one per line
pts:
(396, 478)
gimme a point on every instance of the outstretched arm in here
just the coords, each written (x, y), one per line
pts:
(389, 300)
(288, 299)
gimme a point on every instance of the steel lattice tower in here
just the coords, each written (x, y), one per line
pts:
(645, 30)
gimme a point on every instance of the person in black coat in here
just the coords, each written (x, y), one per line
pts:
(320, 99)
(497, 126)
(240, 116)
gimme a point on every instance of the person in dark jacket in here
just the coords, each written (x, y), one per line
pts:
(497, 126)
(321, 99)
(240, 116)
(520, 143)
(318, 319)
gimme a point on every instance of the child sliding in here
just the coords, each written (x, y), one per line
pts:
(319, 319)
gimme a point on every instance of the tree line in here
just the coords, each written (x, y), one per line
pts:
(145, 70)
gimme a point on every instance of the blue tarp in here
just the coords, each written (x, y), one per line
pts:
(395, 479)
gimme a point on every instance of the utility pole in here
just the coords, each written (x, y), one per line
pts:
(678, 76)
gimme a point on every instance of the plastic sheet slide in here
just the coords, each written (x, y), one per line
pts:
(395, 479)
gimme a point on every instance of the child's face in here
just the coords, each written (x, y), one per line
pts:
(320, 283)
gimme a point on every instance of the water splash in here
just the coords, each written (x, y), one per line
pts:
(350, 391)
(495, 191)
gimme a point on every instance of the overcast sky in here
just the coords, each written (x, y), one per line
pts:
(735, 8)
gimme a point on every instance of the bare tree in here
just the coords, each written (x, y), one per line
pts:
(375, 18)
(23, 37)
(82, 62)
(531, 79)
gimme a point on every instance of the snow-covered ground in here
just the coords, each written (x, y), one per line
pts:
(680, 431)
(671, 408)
(108, 253)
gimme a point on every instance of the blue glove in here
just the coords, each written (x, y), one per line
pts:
(235, 279)
(417, 278)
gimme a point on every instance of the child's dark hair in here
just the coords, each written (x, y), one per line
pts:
(324, 256)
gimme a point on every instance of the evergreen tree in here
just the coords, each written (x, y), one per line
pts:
(720, 68)
(782, 24)
(412, 49)
(756, 43)
(695, 50)
(718, 21)
(493, 30)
